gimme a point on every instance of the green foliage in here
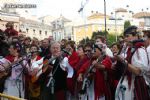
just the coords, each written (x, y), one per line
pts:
(126, 24)
(83, 41)
(111, 39)
(102, 33)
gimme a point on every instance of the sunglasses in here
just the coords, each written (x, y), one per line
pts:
(127, 35)
(87, 50)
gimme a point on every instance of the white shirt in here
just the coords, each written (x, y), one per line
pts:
(147, 75)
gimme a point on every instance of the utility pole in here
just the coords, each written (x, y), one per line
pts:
(105, 19)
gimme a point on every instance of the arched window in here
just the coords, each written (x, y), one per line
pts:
(33, 30)
(40, 32)
(27, 30)
(45, 32)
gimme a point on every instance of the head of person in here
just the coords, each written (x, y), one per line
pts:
(34, 49)
(70, 46)
(45, 43)
(147, 37)
(35, 41)
(63, 41)
(21, 38)
(100, 40)
(80, 51)
(14, 49)
(115, 48)
(131, 33)
(97, 52)
(10, 25)
(88, 49)
(27, 41)
(121, 39)
(55, 49)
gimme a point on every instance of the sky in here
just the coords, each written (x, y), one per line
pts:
(69, 8)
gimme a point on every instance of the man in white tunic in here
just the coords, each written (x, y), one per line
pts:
(137, 65)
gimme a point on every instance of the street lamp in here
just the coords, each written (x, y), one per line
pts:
(105, 18)
(115, 19)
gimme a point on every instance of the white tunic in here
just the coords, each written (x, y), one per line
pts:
(14, 84)
(139, 59)
(147, 75)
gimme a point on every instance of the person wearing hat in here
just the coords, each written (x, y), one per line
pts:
(132, 85)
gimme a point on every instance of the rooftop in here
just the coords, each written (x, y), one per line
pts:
(141, 14)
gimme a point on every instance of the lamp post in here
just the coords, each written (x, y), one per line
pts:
(116, 25)
(105, 19)
(115, 18)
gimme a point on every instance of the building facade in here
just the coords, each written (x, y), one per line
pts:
(35, 29)
(9, 17)
(60, 29)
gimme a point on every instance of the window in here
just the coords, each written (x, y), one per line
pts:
(40, 32)
(33, 30)
(27, 30)
(147, 21)
(45, 32)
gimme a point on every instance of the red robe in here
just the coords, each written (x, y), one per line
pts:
(73, 59)
(11, 32)
(100, 86)
(10, 58)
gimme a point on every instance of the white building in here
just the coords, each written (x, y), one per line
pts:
(36, 29)
(143, 20)
(58, 26)
(6, 17)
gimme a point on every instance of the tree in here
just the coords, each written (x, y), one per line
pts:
(126, 24)
(111, 39)
(102, 33)
(83, 41)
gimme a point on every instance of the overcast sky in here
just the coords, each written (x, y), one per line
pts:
(69, 8)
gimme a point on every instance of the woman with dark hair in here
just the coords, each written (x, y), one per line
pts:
(115, 48)
(73, 59)
(10, 31)
(13, 68)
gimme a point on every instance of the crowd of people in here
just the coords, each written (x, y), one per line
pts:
(63, 70)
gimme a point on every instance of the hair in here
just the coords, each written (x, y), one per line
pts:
(27, 38)
(88, 44)
(10, 24)
(33, 45)
(121, 37)
(72, 44)
(102, 38)
(117, 44)
(148, 35)
(53, 42)
(16, 45)
(64, 40)
(81, 46)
